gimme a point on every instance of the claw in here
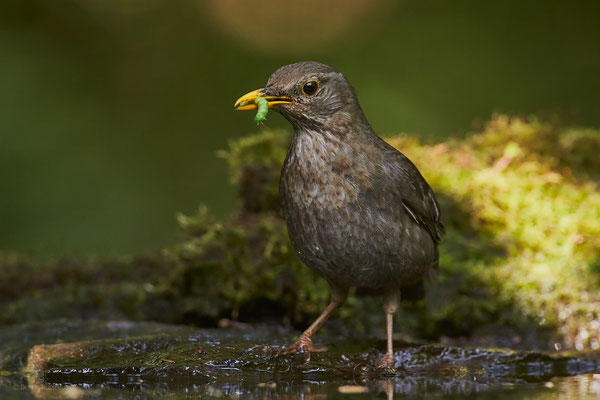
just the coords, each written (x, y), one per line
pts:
(303, 344)
(387, 362)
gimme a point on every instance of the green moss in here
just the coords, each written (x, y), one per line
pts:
(254, 165)
(228, 266)
(80, 289)
(531, 186)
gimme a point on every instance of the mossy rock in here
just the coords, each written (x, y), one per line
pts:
(518, 267)
(247, 362)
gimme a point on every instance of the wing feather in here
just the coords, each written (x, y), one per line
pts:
(415, 195)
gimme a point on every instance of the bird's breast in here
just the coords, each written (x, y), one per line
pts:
(322, 171)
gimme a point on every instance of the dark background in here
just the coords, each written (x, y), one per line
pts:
(111, 111)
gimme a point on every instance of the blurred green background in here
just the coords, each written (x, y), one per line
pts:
(111, 111)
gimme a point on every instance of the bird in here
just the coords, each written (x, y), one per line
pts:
(358, 211)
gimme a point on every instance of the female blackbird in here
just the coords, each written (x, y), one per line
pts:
(357, 210)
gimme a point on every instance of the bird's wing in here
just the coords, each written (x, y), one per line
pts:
(415, 195)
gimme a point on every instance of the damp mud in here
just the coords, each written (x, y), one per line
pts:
(78, 359)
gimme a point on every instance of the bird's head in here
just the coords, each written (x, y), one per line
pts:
(308, 94)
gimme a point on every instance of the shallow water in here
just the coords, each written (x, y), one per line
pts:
(124, 386)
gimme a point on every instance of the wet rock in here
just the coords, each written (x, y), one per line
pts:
(17, 340)
(154, 359)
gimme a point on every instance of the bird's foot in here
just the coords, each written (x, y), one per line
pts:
(305, 345)
(387, 362)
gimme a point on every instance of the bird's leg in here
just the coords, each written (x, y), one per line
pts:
(388, 360)
(304, 342)
(390, 305)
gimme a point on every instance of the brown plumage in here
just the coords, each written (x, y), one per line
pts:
(358, 211)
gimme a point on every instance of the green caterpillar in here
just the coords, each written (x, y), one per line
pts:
(263, 109)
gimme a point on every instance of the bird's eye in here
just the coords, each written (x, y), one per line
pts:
(310, 87)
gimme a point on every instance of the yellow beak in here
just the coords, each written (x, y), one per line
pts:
(246, 102)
